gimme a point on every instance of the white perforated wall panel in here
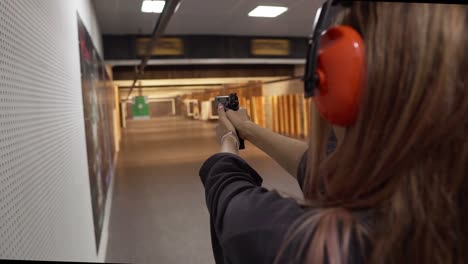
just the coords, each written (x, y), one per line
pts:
(45, 206)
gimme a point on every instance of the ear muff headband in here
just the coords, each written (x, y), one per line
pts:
(310, 76)
(335, 71)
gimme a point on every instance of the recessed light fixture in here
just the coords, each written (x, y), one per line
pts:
(149, 6)
(268, 11)
(317, 15)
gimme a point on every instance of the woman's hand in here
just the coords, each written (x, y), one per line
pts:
(226, 133)
(240, 120)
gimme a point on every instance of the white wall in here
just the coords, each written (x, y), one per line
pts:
(86, 10)
(45, 203)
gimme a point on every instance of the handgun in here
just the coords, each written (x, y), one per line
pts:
(231, 101)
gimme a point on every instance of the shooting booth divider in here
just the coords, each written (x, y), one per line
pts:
(287, 114)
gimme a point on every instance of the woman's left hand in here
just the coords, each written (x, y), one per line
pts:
(230, 143)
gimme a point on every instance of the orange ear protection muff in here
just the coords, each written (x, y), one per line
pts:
(335, 70)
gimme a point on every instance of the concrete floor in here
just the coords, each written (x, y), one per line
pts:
(158, 210)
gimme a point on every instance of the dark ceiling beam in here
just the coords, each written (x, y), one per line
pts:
(124, 47)
(159, 28)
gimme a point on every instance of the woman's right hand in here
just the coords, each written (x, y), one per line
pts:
(241, 121)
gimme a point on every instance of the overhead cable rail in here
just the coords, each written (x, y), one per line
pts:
(163, 20)
(166, 15)
(251, 85)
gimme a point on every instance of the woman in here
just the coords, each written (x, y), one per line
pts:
(394, 189)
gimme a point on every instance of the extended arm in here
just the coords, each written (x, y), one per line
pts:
(225, 132)
(286, 151)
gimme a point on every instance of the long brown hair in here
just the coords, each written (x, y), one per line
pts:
(405, 161)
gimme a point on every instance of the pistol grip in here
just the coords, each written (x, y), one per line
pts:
(241, 141)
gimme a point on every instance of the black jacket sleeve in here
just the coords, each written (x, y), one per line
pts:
(248, 222)
(302, 170)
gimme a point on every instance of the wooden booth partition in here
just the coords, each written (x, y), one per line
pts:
(243, 104)
(268, 114)
(292, 116)
(258, 110)
(307, 104)
(284, 114)
(278, 109)
(249, 94)
(275, 113)
(298, 112)
(279, 114)
(289, 114)
(283, 106)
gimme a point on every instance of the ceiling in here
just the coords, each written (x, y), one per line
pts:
(209, 17)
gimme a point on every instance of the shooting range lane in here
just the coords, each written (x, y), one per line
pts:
(158, 210)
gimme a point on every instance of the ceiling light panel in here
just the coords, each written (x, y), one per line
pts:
(268, 11)
(149, 6)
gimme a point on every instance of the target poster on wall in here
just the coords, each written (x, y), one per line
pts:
(98, 104)
(140, 108)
